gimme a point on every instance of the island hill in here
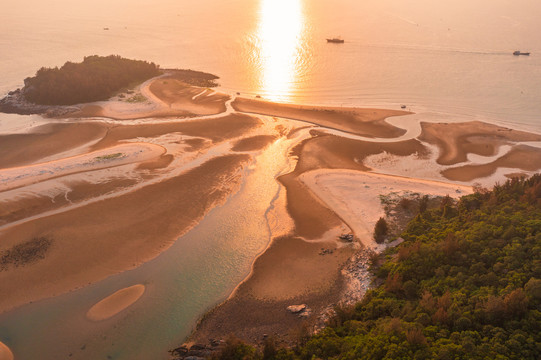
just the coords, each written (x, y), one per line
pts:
(96, 78)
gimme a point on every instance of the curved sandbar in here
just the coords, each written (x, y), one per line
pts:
(115, 303)
(360, 121)
(354, 195)
(5, 352)
(112, 156)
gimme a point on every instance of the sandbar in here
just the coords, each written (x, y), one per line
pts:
(163, 96)
(457, 140)
(365, 122)
(46, 140)
(355, 195)
(521, 157)
(105, 237)
(313, 218)
(291, 271)
(216, 129)
(115, 303)
(114, 156)
(5, 352)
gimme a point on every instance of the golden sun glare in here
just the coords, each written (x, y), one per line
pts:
(280, 28)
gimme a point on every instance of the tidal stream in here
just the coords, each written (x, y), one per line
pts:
(198, 271)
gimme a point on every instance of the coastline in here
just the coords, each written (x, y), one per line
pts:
(214, 147)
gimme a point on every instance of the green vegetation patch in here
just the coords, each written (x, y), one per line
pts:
(96, 78)
(25, 253)
(465, 284)
(109, 157)
(193, 77)
(139, 98)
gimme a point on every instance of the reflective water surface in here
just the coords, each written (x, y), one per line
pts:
(201, 268)
(450, 56)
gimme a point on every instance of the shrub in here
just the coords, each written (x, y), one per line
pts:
(380, 230)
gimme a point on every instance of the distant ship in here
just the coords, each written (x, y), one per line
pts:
(517, 53)
(336, 40)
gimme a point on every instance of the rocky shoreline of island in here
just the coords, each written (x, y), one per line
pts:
(15, 103)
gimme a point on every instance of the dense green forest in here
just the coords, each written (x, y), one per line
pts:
(466, 284)
(96, 78)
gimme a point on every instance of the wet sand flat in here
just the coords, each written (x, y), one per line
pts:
(457, 140)
(179, 95)
(114, 156)
(312, 218)
(105, 237)
(290, 272)
(216, 129)
(253, 143)
(163, 96)
(519, 157)
(46, 140)
(355, 195)
(31, 204)
(365, 122)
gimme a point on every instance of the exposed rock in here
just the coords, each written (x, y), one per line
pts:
(326, 251)
(180, 351)
(214, 343)
(347, 237)
(295, 309)
(197, 347)
(15, 103)
(305, 313)
(301, 311)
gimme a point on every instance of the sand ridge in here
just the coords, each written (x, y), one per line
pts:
(46, 140)
(163, 96)
(113, 156)
(365, 122)
(115, 303)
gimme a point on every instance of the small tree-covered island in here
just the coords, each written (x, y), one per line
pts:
(96, 78)
(465, 284)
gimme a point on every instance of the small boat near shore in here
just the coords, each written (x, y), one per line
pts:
(518, 52)
(335, 40)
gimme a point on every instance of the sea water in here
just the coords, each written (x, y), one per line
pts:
(449, 56)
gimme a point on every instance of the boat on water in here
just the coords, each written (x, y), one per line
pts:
(336, 40)
(517, 53)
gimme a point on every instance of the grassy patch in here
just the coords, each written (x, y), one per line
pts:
(109, 157)
(137, 99)
(25, 253)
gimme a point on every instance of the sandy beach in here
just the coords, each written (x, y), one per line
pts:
(117, 183)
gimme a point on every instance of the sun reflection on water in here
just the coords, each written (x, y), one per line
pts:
(279, 47)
